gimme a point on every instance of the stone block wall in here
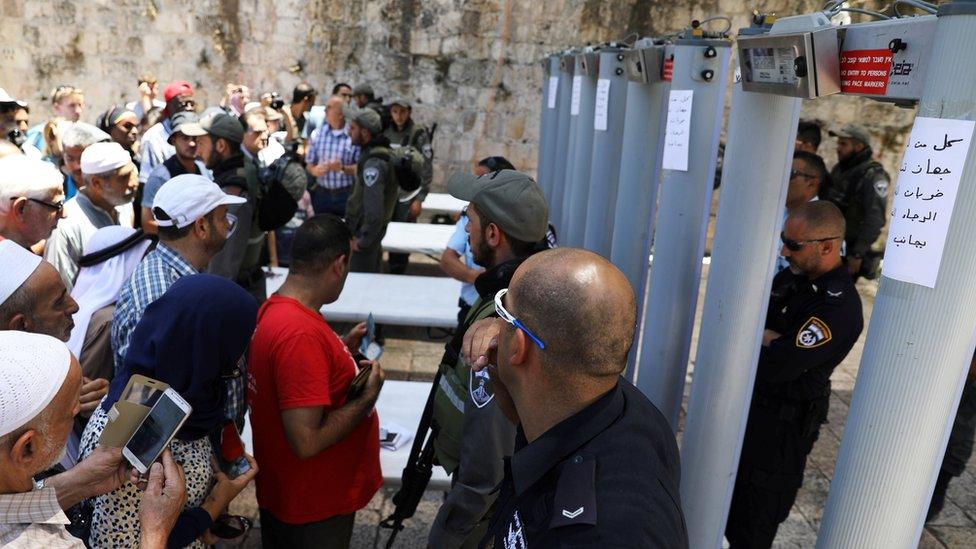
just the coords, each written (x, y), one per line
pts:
(471, 66)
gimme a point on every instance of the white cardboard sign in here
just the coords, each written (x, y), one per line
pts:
(678, 131)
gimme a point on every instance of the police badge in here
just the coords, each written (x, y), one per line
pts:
(370, 176)
(479, 387)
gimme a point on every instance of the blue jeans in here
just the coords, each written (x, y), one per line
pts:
(332, 202)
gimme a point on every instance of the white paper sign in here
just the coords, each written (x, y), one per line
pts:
(926, 193)
(602, 104)
(678, 131)
(574, 103)
(553, 88)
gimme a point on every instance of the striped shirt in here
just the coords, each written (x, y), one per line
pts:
(330, 144)
(154, 275)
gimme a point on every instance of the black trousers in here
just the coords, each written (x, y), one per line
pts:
(959, 448)
(331, 533)
(398, 262)
(774, 455)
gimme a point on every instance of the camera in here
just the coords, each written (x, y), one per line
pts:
(277, 103)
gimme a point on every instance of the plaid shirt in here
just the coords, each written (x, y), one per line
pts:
(154, 275)
(330, 144)
(34, 519)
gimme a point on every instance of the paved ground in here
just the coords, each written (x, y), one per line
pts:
(413, 354)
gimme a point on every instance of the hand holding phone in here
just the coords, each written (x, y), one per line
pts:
(366, 385)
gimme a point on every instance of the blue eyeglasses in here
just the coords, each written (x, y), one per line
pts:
(510, 318)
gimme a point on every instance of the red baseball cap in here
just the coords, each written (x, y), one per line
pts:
(175, 88)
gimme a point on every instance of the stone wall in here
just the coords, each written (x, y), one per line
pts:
(470, 65)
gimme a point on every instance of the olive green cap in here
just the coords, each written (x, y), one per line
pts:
(513, 200)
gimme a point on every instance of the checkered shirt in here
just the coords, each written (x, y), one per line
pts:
(154, 275)
(34, 519)
(329, 144)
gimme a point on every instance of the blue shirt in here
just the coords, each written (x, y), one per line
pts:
(329, 144)
(155, 148)
(154, 275)
(459, 243)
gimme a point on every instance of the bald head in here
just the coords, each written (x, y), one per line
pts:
(581, 306)
(822, 219)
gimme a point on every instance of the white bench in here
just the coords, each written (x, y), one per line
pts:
(400, 402)
(417, 238)
(428, 301)
(442, 203)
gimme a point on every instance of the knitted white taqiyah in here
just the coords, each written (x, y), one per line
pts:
(32, 369)
(16, 266)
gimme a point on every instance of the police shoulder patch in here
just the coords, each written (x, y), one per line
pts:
(427, 151)
(881, 187)
(814, 333)
(371, 175)
(479, 387)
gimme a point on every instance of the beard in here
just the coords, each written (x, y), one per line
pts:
(482, 254)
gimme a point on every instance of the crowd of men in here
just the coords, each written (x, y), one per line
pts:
(138, 245)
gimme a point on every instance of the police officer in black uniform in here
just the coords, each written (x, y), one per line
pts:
(813, 320)
(859, 187)
(595, 463)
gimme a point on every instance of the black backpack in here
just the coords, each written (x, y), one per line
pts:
(282, 184)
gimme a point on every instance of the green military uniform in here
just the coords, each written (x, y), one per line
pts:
(371, 204)
(240, 258)
(416, 136)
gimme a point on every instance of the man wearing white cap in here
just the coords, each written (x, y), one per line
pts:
(31, 199)
(39, 400)
(110, 181)
(33, 299)
(191, 213)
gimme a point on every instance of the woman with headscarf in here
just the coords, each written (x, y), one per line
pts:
(123, 125)
(193, 339)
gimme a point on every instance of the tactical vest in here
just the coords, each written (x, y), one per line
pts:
(845, 192)
(354, 207)
(452, 396)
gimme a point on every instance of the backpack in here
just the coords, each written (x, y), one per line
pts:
(408, 166)
(282, 184)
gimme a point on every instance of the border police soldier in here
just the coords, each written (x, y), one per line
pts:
(374, 193)
(859, 187)
(595, 463)
(404, 132)
(813, 320)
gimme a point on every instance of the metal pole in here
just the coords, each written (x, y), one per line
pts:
(559, 156)
(754, 180)
(640, 172)
(608, 134)
(578, 177)
(547, 123)
(700, 66)
(918, 346)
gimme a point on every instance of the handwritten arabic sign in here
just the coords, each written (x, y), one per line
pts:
(924, 198)
(551, 95)
(678, 131)
(574, 103)
(602, 104)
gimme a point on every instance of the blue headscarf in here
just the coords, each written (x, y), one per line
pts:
(187, 338)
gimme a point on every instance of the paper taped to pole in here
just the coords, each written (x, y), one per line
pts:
(574, 104)
(602, 104)
(678, 131)
(553, 88)
(928, 181)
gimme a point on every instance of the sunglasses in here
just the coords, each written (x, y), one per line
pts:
(795, 245)
(510, 318)
(797, 173)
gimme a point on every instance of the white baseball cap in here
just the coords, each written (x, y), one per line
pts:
(103, 157)
(188, 197)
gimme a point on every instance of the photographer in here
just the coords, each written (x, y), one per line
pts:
(14, 122)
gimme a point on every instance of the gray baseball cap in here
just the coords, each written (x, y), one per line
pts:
(187, 123)
(370, 120)
(224, 125)
(362, 89)
(853, 131)
(512, 199)
(400, 100)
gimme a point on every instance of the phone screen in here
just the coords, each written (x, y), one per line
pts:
(156, 430)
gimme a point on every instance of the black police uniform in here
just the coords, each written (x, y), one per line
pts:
(859, 187)
(605, 477)
(819, 321)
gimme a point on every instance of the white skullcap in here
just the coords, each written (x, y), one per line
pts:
(103, 157)
(18, 264)
(33, 368)
(21, 176)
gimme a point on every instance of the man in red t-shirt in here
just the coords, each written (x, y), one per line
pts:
(319, 450)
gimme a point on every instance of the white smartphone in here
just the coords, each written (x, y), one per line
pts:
(157, 430)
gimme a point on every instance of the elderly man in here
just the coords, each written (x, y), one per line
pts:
(595, 463)
(191, 212)
(39, 397)
(110, 182)
(31, 199)
(813, 320)
(155, 147)
(78, 137)
(331, 157)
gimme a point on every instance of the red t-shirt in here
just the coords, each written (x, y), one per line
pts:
(297, 361)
